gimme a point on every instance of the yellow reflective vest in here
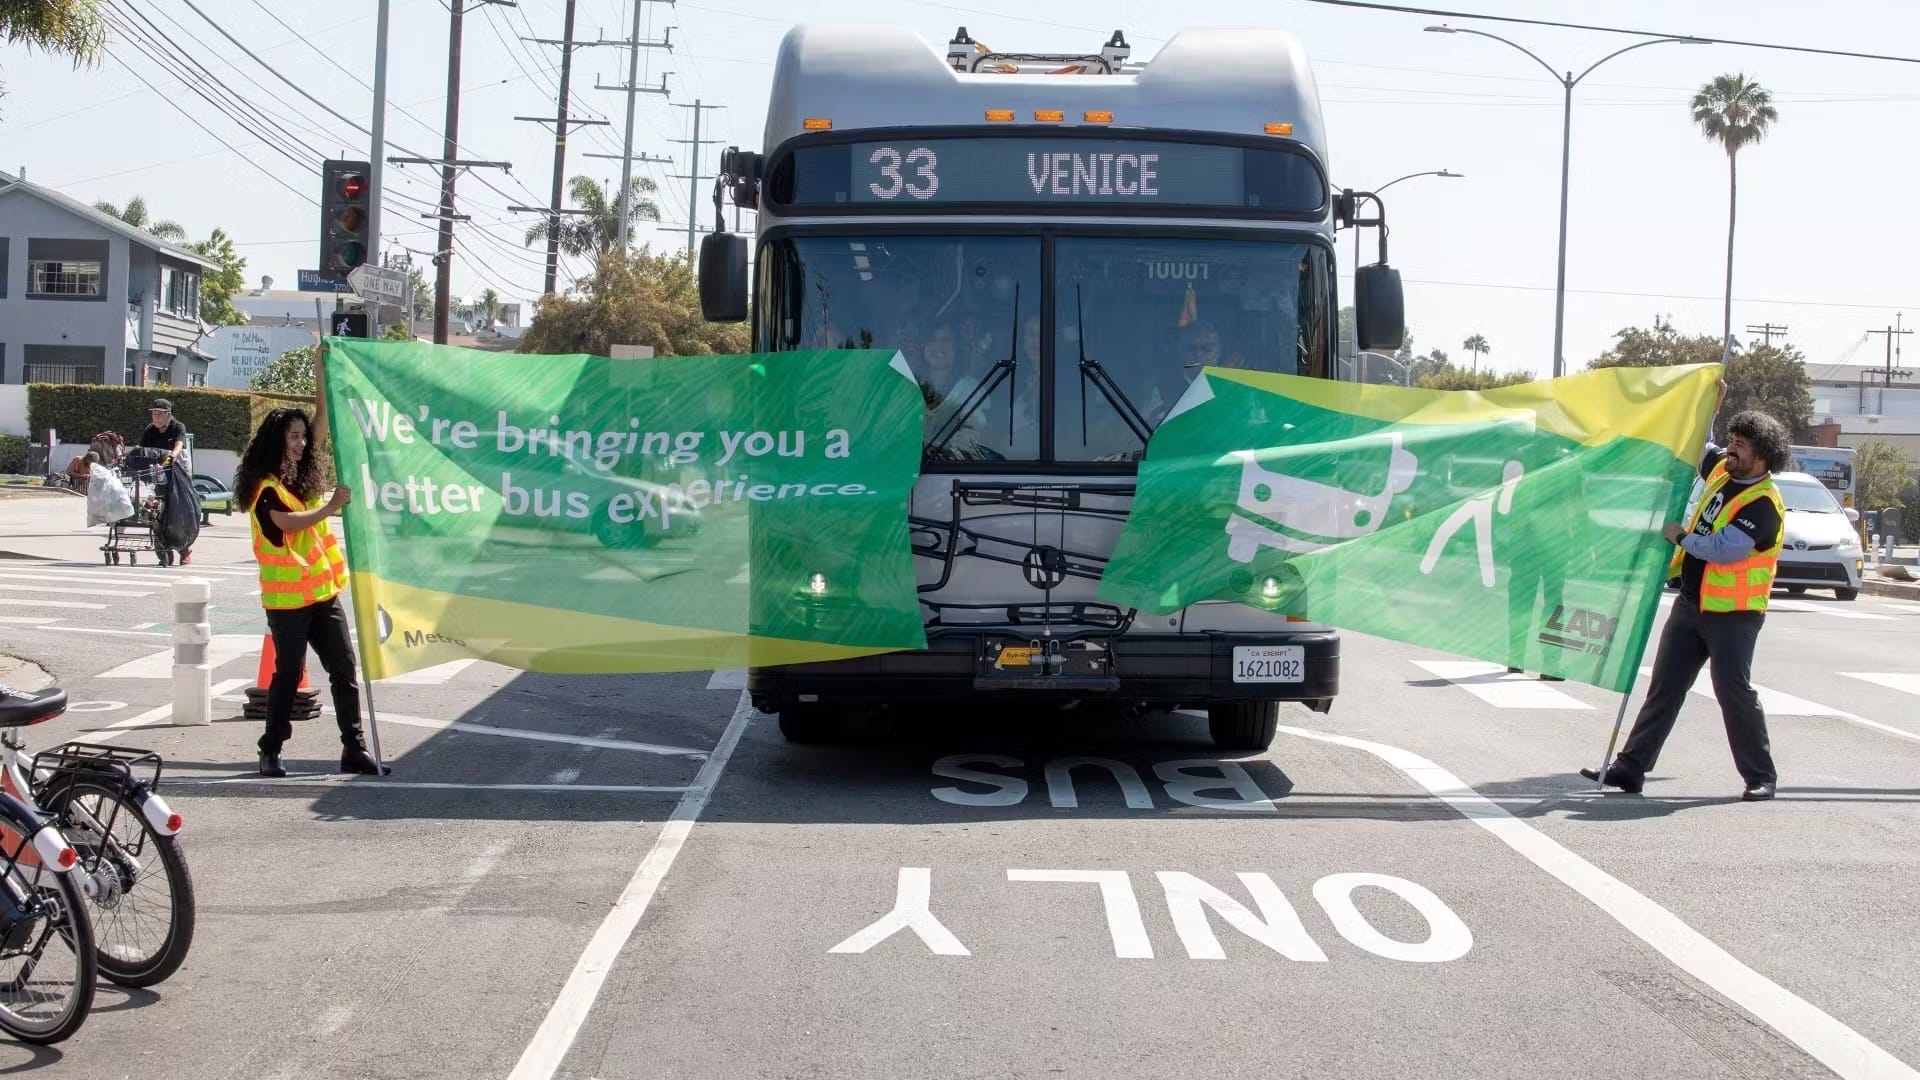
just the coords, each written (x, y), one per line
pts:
(1743, 585)
(307, 568)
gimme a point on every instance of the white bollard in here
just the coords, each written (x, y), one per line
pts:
(192, 674)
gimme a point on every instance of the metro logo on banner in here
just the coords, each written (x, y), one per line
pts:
(581, 514)
(1519, 525)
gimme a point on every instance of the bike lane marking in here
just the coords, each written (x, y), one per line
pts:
(550, 1044)
(1848, 1053)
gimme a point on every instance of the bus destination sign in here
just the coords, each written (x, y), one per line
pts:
(989, 170)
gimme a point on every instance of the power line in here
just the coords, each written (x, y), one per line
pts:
(1374, 6)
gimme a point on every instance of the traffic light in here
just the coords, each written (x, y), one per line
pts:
(344, 217)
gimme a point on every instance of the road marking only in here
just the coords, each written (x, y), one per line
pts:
(1840, 1048)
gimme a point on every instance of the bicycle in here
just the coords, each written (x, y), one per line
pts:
(124, 834)
(42, 905)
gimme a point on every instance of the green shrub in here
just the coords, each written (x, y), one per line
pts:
(13, 453)
(218, 419)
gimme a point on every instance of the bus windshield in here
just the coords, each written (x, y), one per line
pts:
(1134, 319)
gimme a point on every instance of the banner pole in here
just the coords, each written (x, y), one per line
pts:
(1619, 719)
(360, 624)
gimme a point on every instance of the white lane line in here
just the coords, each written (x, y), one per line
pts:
(373, 784)
(223, 649)
(1900, 606)
(156, 717)
(1906, 682)
(11, 602)
(1837, 609)
(27, 620)
(540, 736)
(437, 675)
(728, 679)
(1840, 1048)
(544, 1055)
(70, 590)
(1495, 685)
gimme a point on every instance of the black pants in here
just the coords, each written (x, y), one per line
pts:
(324, 627)
(1724, 643)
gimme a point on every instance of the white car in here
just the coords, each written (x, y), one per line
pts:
(1823, 540)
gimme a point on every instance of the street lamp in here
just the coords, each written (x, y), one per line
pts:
(1568, 82)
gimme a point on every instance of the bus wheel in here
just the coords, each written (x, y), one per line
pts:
(1243, 725)
(805, 722)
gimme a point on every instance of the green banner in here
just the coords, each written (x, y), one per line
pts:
(591, 515)
(1519, 526)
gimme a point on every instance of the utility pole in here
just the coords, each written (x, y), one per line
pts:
(1890, 372)
(631, 88)
(1767, 331)
(376, 163)
(692, 175)
(560, 124)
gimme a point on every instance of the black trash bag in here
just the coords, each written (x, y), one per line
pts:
(179, 524)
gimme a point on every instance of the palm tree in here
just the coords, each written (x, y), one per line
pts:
(1734, 111)
(1476, 345)
(597, 231)
(135, 215)
(489, 305)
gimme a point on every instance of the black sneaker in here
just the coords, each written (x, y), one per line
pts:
(270, 765)
(1757, 793)
(358, 761)
(1615, 778)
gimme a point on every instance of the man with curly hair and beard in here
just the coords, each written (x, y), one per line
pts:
(1725, 562)
(302, 574)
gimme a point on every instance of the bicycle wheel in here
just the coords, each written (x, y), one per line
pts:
(45, 941)
(139, 891)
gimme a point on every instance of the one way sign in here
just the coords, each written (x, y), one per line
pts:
(348, 324)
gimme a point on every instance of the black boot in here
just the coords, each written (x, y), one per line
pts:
(270, 764)
(1616, 777)
(355, 759)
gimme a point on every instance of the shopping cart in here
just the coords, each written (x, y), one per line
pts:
(142, 471)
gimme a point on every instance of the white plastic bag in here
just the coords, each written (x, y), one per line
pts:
(107, 498)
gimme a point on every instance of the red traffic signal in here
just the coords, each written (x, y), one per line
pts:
(353, 186)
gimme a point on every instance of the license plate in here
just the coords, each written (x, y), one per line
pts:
(1017, 657)
(1269, 663)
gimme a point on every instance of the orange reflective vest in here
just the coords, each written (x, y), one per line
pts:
(304, 570)
(1743, 585)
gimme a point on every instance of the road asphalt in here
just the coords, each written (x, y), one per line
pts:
(639, 878)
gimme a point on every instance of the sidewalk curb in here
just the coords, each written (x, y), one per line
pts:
(1874, 586)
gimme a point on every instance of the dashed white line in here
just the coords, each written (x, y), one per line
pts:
(1840, 1048)
(539, 736)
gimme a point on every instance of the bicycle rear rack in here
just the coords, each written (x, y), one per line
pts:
(74, 760)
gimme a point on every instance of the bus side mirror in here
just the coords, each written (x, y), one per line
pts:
(1379, 309)
(723, 277)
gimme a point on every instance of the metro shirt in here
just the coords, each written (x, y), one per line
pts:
(1758, 519)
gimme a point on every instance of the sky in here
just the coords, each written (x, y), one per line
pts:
(1827, 234)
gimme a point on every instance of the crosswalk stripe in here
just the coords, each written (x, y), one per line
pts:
(1900, 606)
(728, 679)
(1834, 609)
(190, 570)
(1904, 681)
(75, 605)
(1495, 685)
(78, 579)
(1775, 702)
(72, 590)
(222, 649)
(26, 620)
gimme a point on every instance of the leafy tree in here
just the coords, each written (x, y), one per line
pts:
(135, 214)
(1453, 378)
(70, 28)
(291, 374)
(1476, 345)
(1880, 473)
(218, 287)
(631, 299)
(1770, 378)
(1735, 112)
(396, 332)
(597, 231)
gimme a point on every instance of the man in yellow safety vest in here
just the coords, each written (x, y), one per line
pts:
(1725, 561)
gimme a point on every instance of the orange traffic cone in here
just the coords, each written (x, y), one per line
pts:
(267, 663)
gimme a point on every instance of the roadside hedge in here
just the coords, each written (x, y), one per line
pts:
(218, 419)
(13, 454)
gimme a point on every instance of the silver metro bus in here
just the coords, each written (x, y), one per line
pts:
(1057, 244)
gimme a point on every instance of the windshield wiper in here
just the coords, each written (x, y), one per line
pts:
(1090, 370)
(1002, 370)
